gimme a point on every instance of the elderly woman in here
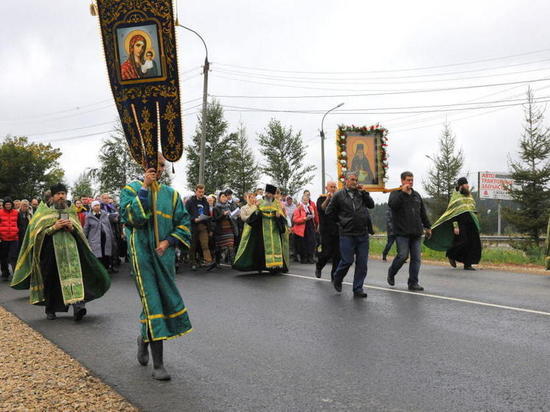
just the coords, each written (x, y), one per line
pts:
(98, 231)
(304, 230)
(225, 231)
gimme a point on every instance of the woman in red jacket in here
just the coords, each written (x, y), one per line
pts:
(303, 228)
(9, 238)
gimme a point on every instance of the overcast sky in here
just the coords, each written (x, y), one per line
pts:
(53, 74)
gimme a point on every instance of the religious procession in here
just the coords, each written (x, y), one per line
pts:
(119, 236)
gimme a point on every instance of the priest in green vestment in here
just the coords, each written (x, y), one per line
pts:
(264, 242)
(457, 230)
(55, 261)
(156, 221)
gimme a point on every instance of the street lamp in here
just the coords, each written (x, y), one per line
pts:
(205, 70)
(323, 146)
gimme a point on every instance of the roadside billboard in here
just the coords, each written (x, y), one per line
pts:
(494, 185)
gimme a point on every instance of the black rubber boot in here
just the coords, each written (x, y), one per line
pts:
(143, 351)
(159, 372)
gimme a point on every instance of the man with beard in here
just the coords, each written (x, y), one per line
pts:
(457, 230)
(328, 229)
(264, 243)
(56, 262)
(155, 221)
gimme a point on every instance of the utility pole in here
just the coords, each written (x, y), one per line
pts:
(205, 70)
(322, 133)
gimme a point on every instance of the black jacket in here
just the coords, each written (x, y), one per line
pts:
(192, 206)
(351, 213)
(327, 224)
(408, 214)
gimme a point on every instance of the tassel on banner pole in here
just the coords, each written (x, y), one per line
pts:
(93, 8)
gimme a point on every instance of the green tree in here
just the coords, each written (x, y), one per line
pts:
(116, 165)
(28, 169)
(244, 172)
(82, 186)
(444, 173)
(220, 150)
(531, 174)
(284, 152)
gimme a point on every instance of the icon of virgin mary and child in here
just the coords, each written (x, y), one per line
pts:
(140, 63)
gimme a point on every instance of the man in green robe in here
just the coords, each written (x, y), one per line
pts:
(457, 230)
(155, 221)
(264, 242)
(55, 261)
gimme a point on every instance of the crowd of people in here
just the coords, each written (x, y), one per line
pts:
(63, 253)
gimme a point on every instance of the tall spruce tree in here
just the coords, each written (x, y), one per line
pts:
(531, 174)
(284, 152)
(243, 172)
(444, 173)
(220, 151)
(116, 166)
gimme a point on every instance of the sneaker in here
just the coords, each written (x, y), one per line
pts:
(359, 294)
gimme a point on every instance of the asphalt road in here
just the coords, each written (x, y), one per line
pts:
(291, 343)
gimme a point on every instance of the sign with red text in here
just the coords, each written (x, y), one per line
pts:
(494, 185)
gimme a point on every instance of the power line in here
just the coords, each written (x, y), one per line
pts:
(371, 80)
(391, 70)
(84, 127)
(394, 92)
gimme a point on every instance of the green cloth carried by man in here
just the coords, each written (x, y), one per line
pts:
(442, 231)
(264, 242)
(152, 216)
(82, 277)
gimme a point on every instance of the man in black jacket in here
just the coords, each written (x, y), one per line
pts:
(349, 207)
(328, 229)
(199, 212)
(410, 221)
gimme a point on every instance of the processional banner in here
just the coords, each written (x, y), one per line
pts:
(363, 150)
(140, 50)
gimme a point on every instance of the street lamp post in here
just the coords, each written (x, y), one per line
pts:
(206, 69)
(323, 146)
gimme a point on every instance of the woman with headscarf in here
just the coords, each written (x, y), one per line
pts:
(225, 230)
(98, 231)
(131, 68)
(304, 230)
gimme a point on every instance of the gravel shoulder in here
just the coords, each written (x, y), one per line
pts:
(37, 375)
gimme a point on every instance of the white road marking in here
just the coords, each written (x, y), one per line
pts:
(429, 295)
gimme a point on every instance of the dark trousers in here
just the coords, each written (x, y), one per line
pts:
(350, 247)
(8, 256)
(330, 249)
(407, 245)
(389, 244)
